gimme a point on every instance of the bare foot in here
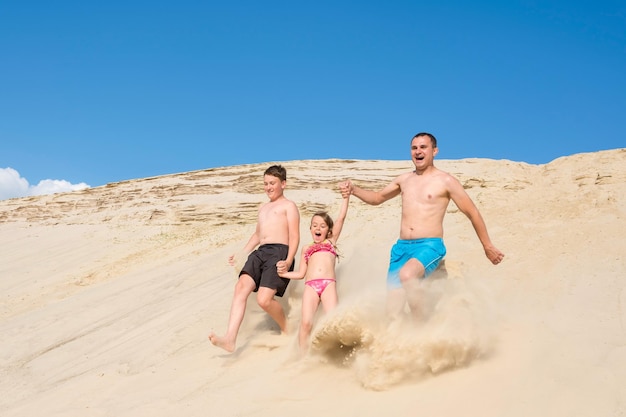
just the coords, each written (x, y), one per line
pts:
(222, 342)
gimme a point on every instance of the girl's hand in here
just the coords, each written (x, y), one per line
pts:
(281, 267)
(345, 188)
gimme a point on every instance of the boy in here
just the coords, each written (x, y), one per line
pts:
(277, 236)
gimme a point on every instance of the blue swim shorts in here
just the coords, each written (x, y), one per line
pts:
(429, 251)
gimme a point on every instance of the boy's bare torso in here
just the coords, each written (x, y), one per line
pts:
(273, 225)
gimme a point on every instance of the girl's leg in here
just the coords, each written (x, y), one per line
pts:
(329, 297)
(310, 302)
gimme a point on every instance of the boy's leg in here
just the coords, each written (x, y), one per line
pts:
(244, 287)
(265, 298)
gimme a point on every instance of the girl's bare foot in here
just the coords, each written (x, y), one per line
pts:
(222, 342)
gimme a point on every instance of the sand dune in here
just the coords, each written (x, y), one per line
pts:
(108, 295)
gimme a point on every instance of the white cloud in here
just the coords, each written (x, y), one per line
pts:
(13, 185)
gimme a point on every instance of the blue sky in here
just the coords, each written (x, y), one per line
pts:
(99, 92)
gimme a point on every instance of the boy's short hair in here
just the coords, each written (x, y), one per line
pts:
(277, 171)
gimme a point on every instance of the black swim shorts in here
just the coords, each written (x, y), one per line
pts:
(261, 266)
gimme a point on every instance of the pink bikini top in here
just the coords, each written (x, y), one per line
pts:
(324, 246)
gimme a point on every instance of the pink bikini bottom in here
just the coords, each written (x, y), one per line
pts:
(319, 285)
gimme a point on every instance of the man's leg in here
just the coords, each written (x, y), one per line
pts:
(244, 287)
(410, 275)
(396, 298)
(265, 298)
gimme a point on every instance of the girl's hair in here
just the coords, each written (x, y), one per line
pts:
(328, 220)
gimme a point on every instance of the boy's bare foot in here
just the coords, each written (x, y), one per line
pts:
(222, 342)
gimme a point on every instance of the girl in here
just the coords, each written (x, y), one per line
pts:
(317, 267)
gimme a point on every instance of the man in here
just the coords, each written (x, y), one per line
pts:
(426, 192)
(278, 235)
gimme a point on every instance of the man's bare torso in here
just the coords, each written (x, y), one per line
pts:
(425, 198)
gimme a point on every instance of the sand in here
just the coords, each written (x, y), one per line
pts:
(108, 296)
